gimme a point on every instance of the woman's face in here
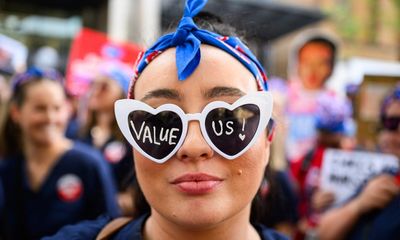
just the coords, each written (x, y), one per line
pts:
(234, 182)
(43, 114)
(103, 93)
(389, 141)
(315, 65)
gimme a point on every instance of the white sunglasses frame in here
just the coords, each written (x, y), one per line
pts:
(124, 107)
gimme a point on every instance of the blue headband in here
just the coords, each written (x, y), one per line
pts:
(187, 40)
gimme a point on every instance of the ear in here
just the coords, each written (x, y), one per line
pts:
(15, 113)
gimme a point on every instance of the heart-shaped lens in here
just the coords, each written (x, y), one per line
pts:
(157, 135)
(231, 131)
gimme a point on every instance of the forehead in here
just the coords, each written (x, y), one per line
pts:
(45, 89)
(216, 69)
(315, 48)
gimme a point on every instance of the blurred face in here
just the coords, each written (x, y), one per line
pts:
(315, 65)
(43, 114)
(230, 184)
(103, 93)
(389, 140)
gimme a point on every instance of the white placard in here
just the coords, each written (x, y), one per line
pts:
(13, 54)
(343, 172)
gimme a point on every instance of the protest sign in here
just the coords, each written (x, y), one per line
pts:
(91, 52)
(344, 172)
(13, 55)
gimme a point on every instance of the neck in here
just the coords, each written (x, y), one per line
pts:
(237, 227)
(40, 159)
(45, 154)
(104, 119)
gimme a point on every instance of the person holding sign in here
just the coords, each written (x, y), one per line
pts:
(374, 212)
(332, 116)
(197, 116)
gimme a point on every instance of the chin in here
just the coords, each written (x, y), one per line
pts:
(196, 219)
(198, 214)
(45, 140)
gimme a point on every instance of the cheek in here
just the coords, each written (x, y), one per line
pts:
(324, 70)
(115, 93)
(31, 118)
(248, 171)
(65, 113)
(149, 175)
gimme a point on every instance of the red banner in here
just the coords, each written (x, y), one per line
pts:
(90, 53)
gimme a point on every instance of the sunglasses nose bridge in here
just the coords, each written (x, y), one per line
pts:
(193, 116)
(195, 146)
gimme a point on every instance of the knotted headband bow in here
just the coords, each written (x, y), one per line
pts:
(187, 40)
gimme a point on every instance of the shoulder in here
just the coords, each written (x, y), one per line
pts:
(9, 167)
(269, 234)
(88, 229)
(82, 154)
(9, 162)
(91, 229)
(84, 150)
(383, 224)
(132, 230)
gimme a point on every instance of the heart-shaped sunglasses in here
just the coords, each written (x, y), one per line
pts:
(229, 129)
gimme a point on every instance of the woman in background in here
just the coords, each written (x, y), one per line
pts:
(100, 130)
(48, 180)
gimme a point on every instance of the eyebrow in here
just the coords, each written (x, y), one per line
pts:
(223, 91)
(162, 93)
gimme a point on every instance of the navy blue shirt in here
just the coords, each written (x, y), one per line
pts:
(78, 187)
(279, 201)
(383, 224)
(118, 154)
(1, 199)
(132, 231)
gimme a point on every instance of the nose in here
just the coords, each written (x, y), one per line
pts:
(50, 115)
(195, 146)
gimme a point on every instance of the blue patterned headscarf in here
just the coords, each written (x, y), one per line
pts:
(187, 39)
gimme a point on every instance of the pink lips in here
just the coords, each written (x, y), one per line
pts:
(197, 183)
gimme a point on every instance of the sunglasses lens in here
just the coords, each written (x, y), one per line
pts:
(391, 123)
(157, 135)
(231, 131)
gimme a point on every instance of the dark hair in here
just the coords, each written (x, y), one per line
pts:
(11, 135)
(325, 41)
(211, 22)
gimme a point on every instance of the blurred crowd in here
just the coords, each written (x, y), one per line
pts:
(64, 160)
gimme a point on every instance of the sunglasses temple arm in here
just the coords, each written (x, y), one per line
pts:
(271, 129)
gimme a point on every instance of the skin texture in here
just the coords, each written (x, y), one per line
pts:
(224, 212)
(315, 65)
